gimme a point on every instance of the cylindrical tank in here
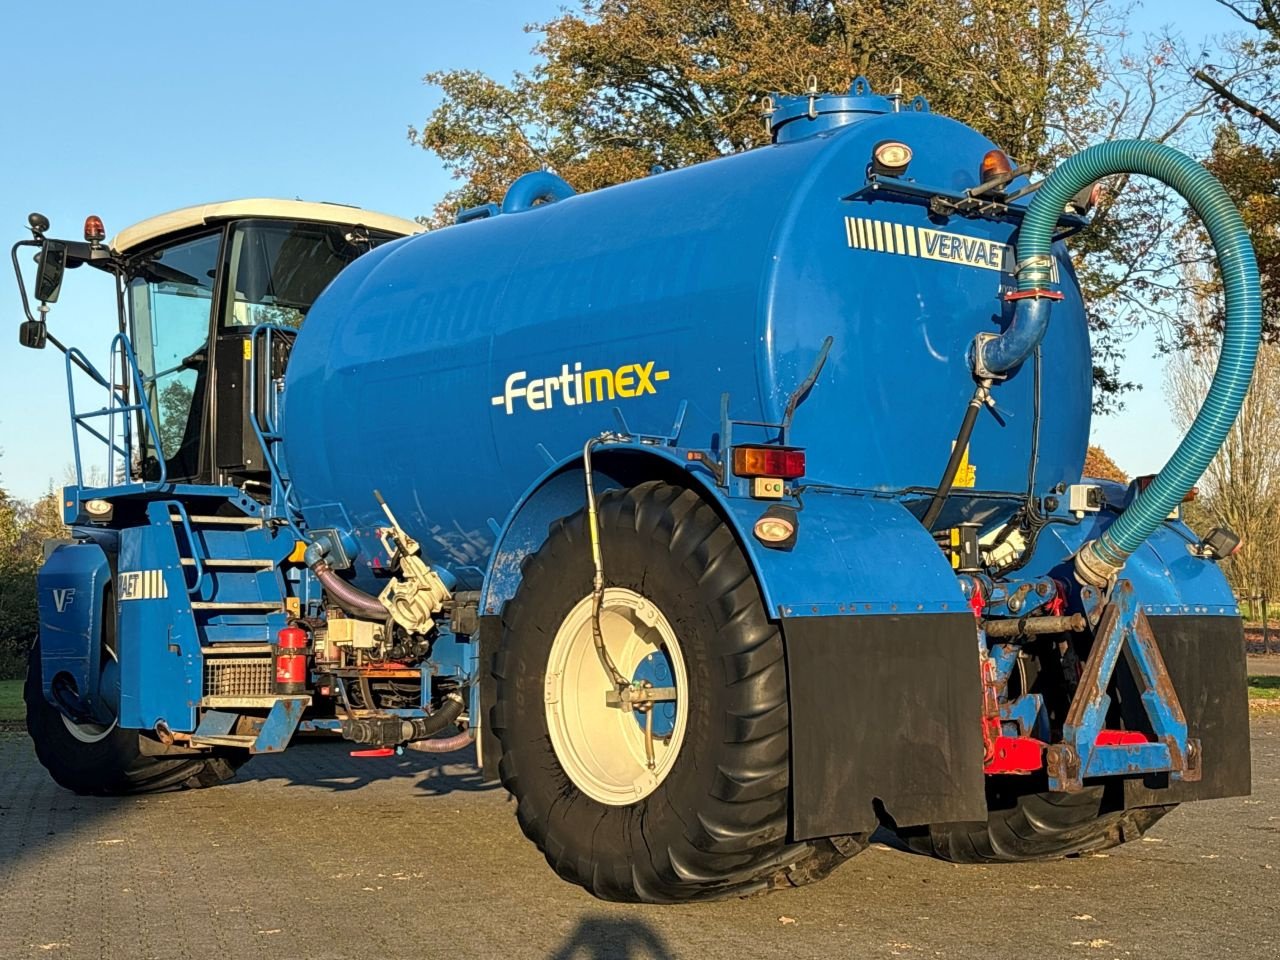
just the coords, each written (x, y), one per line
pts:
(449, 369)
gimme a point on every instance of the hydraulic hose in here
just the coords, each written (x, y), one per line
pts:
(958, 450)
(355, 601)
(1098, 561)
(386, 730)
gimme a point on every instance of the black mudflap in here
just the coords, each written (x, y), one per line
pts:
(888, 709)
(1206, 661)
(489, 748)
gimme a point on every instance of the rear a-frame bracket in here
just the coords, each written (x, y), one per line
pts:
(1089, 750)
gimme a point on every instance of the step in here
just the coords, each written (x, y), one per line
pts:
(226, 740)
(219, 700)
(237, 650)
(209, 520)
(269, 606)
(230, 563)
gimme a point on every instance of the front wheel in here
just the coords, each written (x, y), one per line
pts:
(105, 759)
(687, 796)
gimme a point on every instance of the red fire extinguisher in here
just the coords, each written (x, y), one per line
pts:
(291, 660)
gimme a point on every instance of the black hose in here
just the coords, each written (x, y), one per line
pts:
(391, 730)
(957, 454)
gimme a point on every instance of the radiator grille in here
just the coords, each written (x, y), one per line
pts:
(238, 677)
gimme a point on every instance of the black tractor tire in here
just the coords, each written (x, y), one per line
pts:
(121, 762)
(1038, 826)
(717, 825)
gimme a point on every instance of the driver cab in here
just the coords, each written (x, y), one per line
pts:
(198, 283)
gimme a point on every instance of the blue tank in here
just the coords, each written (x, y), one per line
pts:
(449, 369)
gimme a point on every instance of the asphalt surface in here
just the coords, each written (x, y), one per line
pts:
(316, 855)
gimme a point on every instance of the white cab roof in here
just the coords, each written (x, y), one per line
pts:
(141, 234)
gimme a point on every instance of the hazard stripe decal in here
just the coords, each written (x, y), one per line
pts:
(142, 585)
(884, 236)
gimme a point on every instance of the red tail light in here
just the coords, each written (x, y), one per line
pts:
(768, 462)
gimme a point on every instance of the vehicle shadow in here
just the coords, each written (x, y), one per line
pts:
(329, 765)
(613, 938)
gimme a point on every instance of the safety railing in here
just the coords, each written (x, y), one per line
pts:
(119, 435)
(178, 511)
(266, 422)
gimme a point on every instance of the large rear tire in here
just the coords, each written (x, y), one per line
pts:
(106, 760)
(1037, 826)
(707, 815)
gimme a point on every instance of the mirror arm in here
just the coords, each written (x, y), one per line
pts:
(17, 270)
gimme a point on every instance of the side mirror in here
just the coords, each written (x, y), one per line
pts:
(33, 334)
(51, 264)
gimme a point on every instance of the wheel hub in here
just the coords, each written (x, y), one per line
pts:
(655, 670)
(616, 749)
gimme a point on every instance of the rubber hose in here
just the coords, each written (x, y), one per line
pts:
(351, 599)
(1099, 560)
(953, 462)
(459, 741)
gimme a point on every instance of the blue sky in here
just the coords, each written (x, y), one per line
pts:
(131, 114)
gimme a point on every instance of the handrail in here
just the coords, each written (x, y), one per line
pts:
(196, 562)
(281, 486)
(117, 405)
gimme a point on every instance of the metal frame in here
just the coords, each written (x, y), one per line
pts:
(1089, 750)
(117, 405)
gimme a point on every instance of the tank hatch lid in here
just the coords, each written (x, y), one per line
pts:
(803, 115)
(177, 221)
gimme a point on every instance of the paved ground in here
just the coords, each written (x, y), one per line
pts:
(1264, 665)
(314, 855)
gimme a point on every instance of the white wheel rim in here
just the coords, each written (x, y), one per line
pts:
(91, 732)
(602, 747)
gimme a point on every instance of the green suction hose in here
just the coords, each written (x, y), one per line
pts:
(1098, 561)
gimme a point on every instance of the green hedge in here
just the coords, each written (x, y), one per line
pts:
(18, 622)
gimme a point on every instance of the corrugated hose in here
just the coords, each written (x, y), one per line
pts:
(1099, 561)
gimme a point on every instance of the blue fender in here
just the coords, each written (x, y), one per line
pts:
(69, 590)
(1168, 579)
(854, 554)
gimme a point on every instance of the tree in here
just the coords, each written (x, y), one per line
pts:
(1246, 85)
(1241, 488)
(23, 529)
(626, 84)
(621, 85)
(1100, 466)
(1250, 172)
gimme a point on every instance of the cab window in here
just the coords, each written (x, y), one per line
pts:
(171, 295)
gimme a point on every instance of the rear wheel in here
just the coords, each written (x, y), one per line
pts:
(1037, 826)
(102, 758)
(687, 799)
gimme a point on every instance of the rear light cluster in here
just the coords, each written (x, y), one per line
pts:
(783, 462)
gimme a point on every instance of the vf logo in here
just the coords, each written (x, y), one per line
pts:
(63, 598)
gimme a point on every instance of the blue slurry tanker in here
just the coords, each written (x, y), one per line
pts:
(732, 512)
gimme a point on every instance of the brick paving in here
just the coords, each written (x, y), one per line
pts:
(315, 855)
